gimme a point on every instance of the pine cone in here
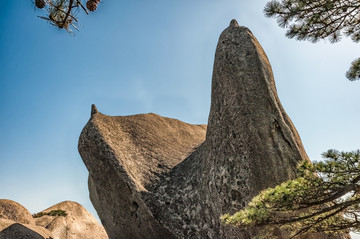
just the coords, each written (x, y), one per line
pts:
(92, 5)
(40, 3)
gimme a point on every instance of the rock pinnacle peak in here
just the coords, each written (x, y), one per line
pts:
(234, 23)
(94, 110)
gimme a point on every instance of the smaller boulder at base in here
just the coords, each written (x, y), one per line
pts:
(70, 220)
(14, 211)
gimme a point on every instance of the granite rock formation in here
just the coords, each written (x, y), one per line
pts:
(16, 212)
(125, 157)
(77, 224)
(14, 230)
(16, 222)
(155, 177)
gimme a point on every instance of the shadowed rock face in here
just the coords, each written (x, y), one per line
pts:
(14, 230)
(155, 177)
(19, 231)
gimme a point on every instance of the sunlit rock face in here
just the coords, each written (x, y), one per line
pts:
(14, 211)
(78, 223)
(126, 157)
(155, 177)
(73, 222)
(16, 222)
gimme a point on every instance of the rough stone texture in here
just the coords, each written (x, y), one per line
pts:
(14, 211)
(77, 224)
(155, 177)
(126, 156)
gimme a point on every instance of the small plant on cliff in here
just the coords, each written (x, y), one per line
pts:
(62, 13)
(324, 198)
(314, 20)
(54, 213)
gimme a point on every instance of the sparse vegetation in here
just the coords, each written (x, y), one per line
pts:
(54, 213)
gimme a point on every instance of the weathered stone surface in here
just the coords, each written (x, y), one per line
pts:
(14, 211)
(155, 177)
(77, 224)
(126, 156)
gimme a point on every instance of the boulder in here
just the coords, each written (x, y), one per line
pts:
(126, 156)
(155, 177)
(16, 222)
(66, 220)
(24, 231)
(14, 211)
(78, 223)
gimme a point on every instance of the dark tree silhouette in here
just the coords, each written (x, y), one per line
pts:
(62, 13)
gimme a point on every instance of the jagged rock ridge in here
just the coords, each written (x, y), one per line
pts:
(155, 177)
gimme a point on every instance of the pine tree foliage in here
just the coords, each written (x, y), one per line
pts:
(321, 19)
(63, 13)
(324, 198)
(314, 20)
(354, 72)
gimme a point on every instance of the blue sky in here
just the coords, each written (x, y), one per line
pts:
(134, 57)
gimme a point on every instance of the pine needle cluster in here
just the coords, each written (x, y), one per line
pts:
(324, 198)
(321, 19)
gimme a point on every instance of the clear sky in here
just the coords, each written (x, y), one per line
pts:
(133, 57)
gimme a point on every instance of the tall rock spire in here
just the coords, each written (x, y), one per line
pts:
(246, 117)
